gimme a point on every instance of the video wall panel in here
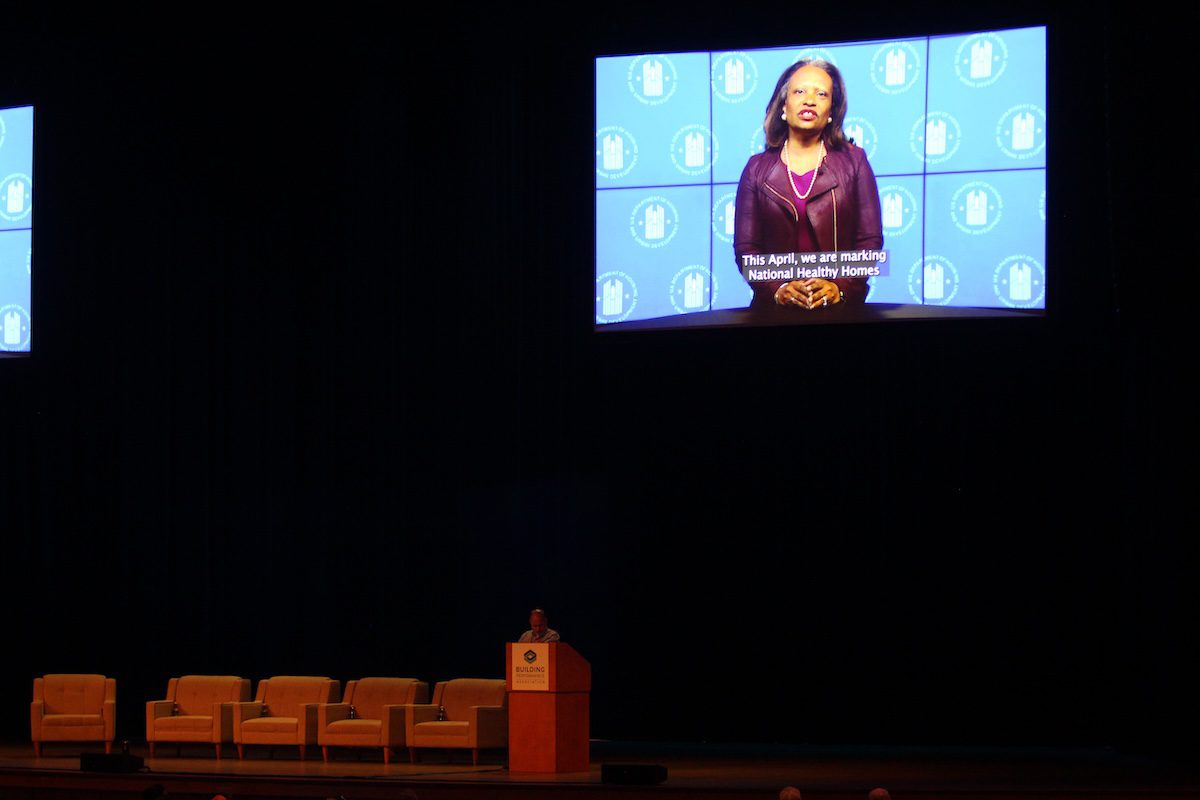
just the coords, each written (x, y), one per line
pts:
(16, 228)
(954, 128)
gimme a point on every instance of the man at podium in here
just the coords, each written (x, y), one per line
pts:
(539, 629)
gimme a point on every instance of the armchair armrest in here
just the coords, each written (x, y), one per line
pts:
(245, 711)
(307, 724)
(108, 711)
(331, 712)
(424, 712)
(222, 714)
(154, 710)
(37, 710)
(159, 708)
(489, 726)
(395, 723)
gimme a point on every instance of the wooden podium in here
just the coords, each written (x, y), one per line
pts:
(548, 693)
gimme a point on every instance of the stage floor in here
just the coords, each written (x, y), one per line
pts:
(694, 771)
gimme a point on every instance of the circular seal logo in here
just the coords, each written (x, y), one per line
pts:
(1019, 281)
(862, 132)
(14, 328)
(722, 216)
(693, 289)
(1042, 206)
(616, 152)
(976, 207)
(895, 67)
(935, 137)
(16, 197)
(815, 54)
(758, 141)
(981, 59)
(899, 207)
(734, 77)
(652, 79)
(616, 296)
(1021, 131)
(933, 281)
(693, 149)
(654, 221)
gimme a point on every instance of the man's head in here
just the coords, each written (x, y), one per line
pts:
(537, 621)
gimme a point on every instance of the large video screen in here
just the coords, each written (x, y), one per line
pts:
(953, 129)
(16, 228)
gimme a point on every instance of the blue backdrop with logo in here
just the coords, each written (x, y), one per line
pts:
(16, 226)
(954, 127)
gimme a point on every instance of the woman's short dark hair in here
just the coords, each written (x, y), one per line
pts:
(776, 127)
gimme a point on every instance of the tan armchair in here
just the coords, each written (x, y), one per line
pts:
(475, 717)
(73, 708)
(198, 708)
(371, 714)
(284, 711)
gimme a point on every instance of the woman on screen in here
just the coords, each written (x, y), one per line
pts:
(811, 189)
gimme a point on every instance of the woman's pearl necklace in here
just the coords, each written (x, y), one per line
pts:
(792, 179)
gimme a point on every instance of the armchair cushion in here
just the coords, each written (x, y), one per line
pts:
(286, 725)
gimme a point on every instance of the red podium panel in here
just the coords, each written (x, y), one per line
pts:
(548, 712)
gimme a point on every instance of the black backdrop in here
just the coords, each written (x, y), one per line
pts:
(315, 392)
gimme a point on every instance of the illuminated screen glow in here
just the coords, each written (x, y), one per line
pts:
(16, 228)
(954, 128)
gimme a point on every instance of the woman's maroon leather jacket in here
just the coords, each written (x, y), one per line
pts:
(843, 209)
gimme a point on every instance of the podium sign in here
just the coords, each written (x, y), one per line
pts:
(530, 671)
(549, 687)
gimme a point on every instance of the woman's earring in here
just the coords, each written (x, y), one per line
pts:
(783, 115)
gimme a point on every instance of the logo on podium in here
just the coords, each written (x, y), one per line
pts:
(530, 671)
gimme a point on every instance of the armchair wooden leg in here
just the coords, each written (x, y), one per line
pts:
(324, 753)
(475, 756)
(108, 747)
(412, 755)
(301, 752)
(218, 745)
(241, 750)
(152, 746)
(387, 755)
(37, 749)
